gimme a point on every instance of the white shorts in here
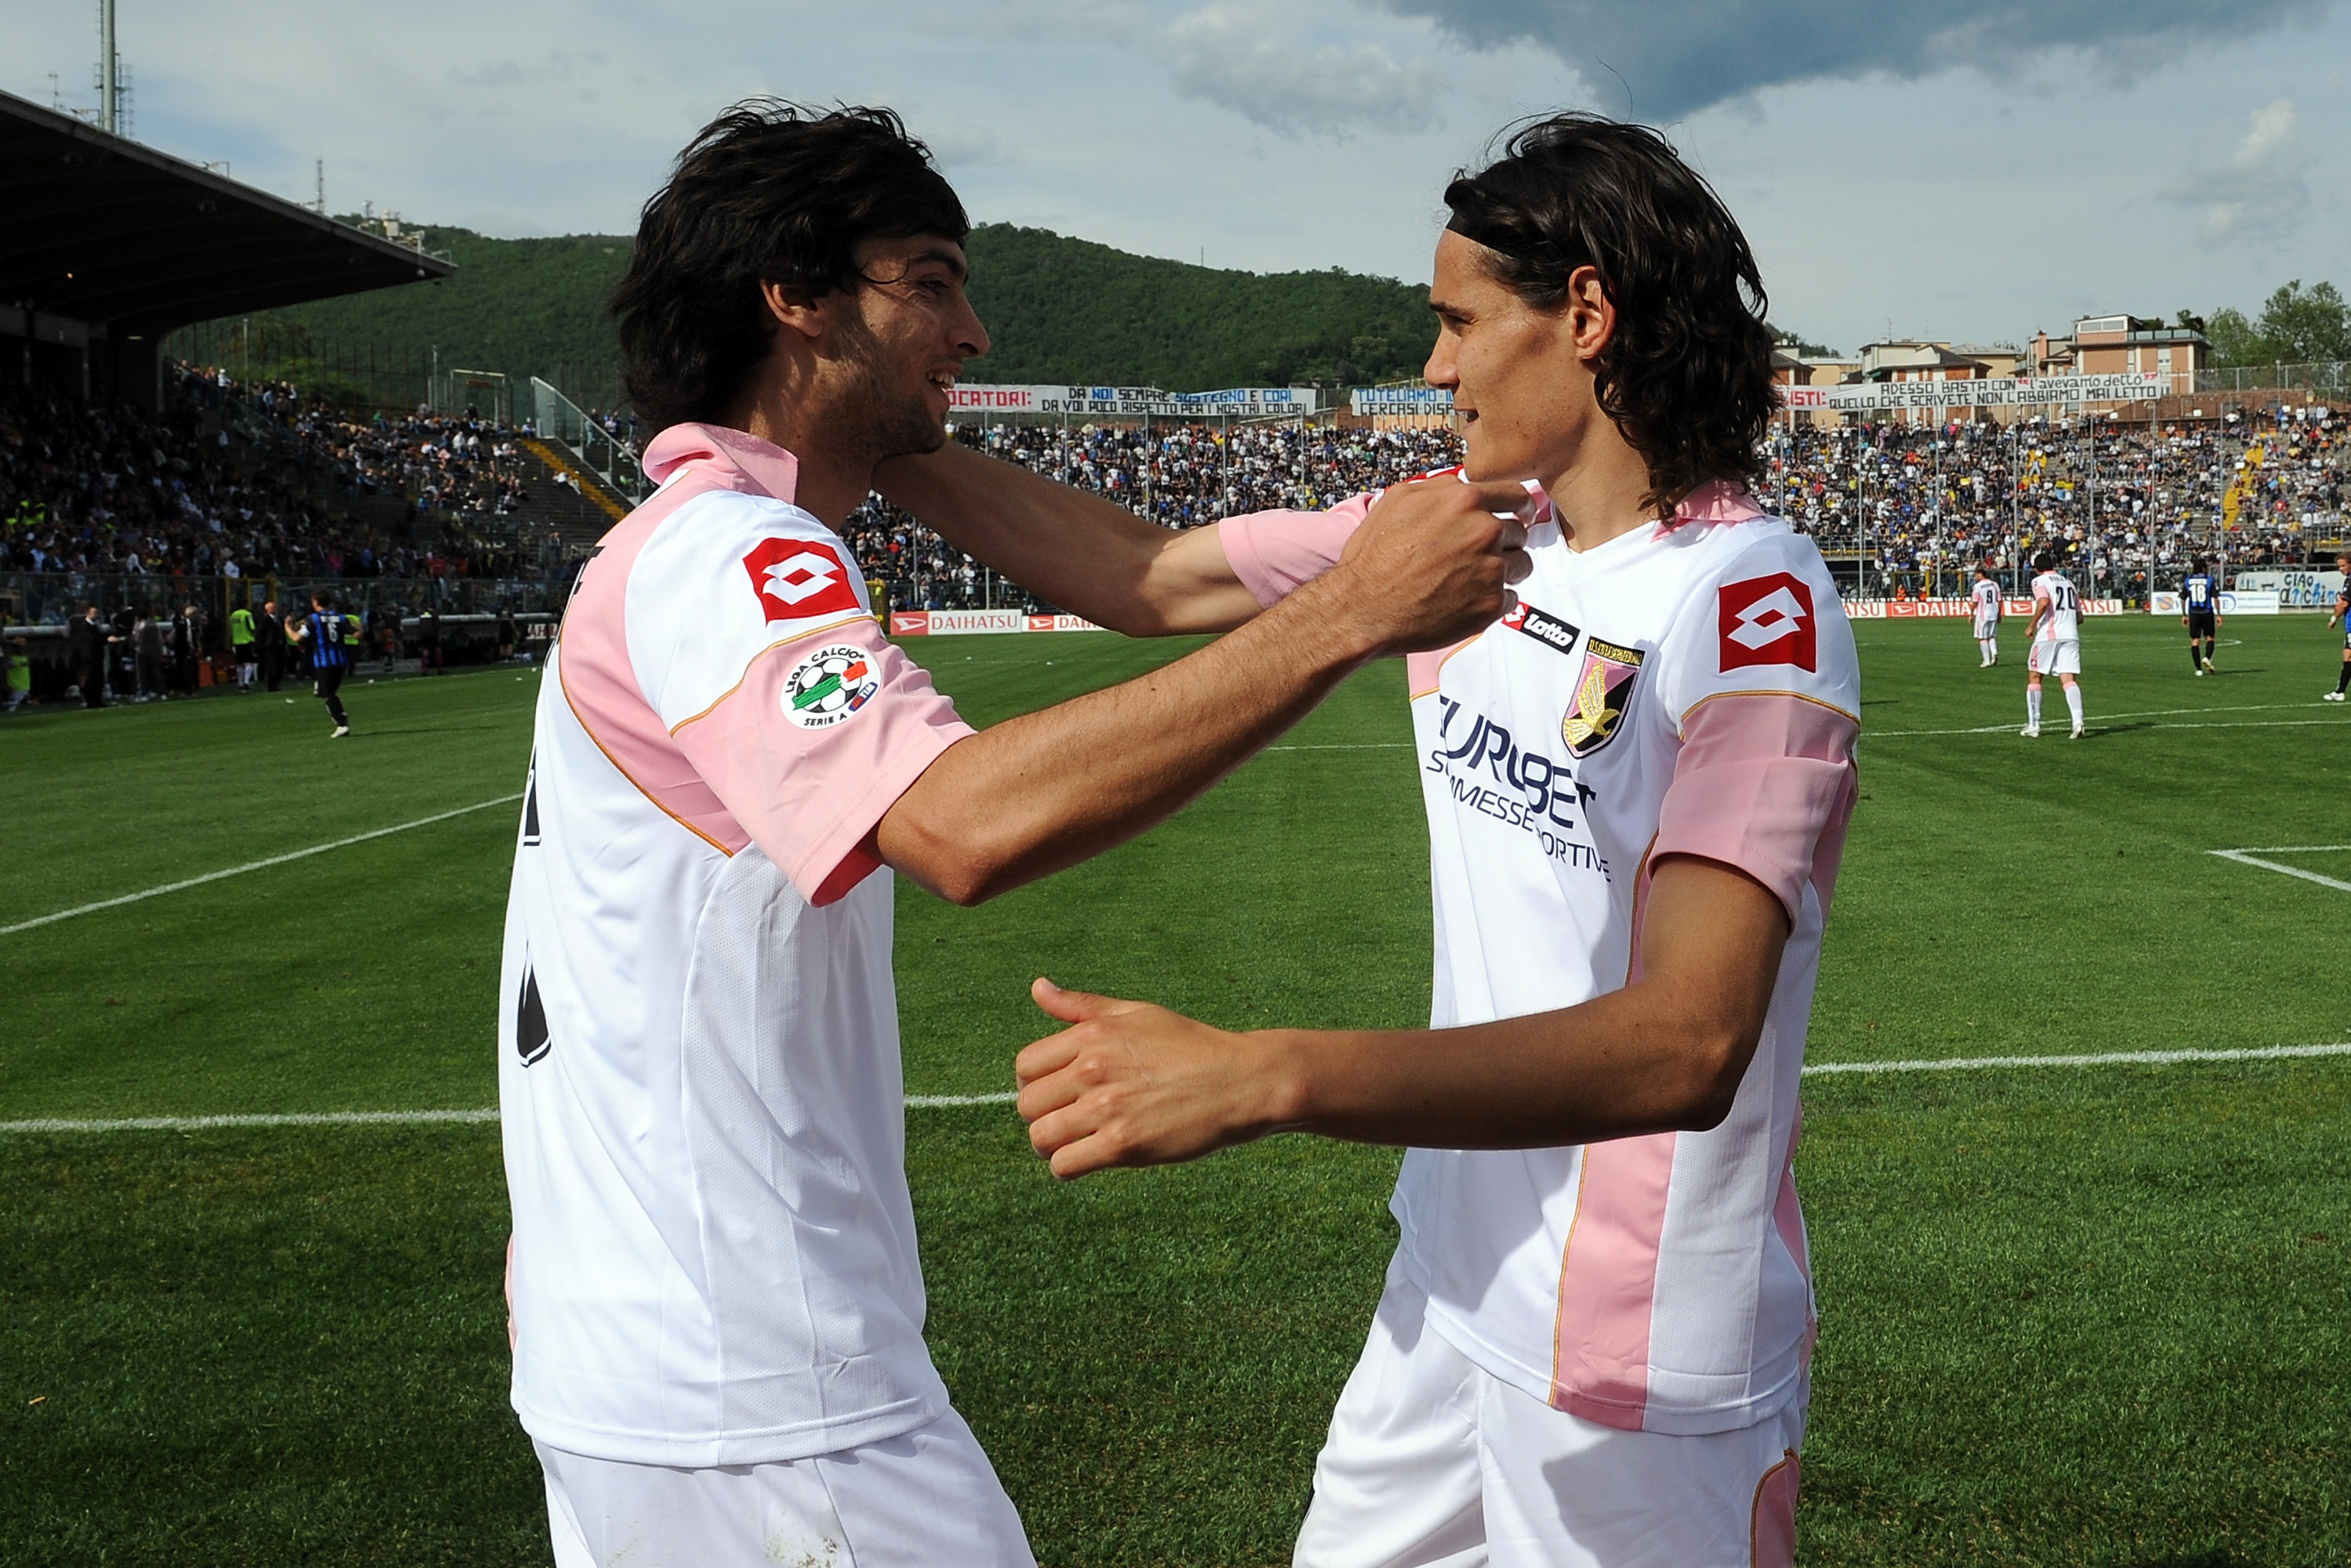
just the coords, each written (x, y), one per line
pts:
(1433, 1462)
(2060, 658)
(928, 1496)
(1985, 629)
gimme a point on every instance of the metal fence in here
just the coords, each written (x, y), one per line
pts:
(30, 599)
(264, 348)
(2330, 379)
(612, 457)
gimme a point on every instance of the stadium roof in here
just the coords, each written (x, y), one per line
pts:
(100, 229)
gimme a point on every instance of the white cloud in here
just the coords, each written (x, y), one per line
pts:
(1246, 60)
(2262, 195)
(1265, 63)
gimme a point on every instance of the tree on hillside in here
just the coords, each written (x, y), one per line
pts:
(2297, 325)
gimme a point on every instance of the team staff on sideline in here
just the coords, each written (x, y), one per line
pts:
(2341, 614)
(1595, 1341)
(2199, 612)
(240, 645)
(87, 644)
(717, 1304)
(2052, 643)
(320, 633)
(1984, 599)
(275, 645)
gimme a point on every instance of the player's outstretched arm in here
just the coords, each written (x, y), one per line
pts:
(1134, 1085)
(1079, 550)
(1043, 791)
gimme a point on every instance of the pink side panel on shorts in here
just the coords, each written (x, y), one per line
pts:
(1763, 781)
(1273, 552)
(811, 798)
(1788, 1219)
(1773, 1538)
(600, 683)
(1608, 1281)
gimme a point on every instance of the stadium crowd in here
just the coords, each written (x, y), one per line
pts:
(1922, 506)
(1178, 476)
(2109, 500)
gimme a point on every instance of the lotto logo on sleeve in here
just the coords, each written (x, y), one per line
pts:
(828, 685)
(1768, 621)
(795, 578)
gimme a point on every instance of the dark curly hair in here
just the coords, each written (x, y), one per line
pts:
(769, 192)
(1688, 374)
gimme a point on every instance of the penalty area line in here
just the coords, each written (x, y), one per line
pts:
(2253, 858)
(252, 865)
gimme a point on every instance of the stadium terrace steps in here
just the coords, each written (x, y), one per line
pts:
(580, 512)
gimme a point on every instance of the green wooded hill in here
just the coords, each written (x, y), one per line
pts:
(1057, 310)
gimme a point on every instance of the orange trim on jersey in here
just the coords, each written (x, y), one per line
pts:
(1559, 1316)
(1442, 660)
(583, 722)
(785, 642)
(1682, 731)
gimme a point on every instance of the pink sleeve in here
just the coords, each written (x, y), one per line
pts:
(809, 790)
(1765, 783)
(1273, 552)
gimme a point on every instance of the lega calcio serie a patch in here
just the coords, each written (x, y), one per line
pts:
(829, 685)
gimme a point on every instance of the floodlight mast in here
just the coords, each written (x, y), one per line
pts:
(109, 72)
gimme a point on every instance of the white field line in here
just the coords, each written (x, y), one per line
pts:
(931, 1102)
(1352, 746)
(2107, 718)
(2100, 1059)
(2253, 857)
(254, 866)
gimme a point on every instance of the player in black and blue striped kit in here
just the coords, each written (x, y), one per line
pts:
(321, 632)
(2199, 609)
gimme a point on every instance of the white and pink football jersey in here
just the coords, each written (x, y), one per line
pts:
(1685, 688)
(2063, 621)
(1985, 595)
(713, 1247)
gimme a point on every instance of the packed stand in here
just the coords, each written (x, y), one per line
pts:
(1178, 477)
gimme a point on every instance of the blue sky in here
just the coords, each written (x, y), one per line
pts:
(1972, 169)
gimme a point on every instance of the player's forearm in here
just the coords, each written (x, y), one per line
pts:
(1043, 791)
(1078, 551)
(1636, 1061)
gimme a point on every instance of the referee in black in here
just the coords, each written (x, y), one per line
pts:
(321, 632)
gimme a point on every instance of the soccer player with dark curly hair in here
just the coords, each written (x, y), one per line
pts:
(1595, 1339)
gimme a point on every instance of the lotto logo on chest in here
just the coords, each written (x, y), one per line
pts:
(1768, 621)
(798, 579)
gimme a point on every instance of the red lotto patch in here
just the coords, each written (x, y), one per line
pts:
(1768, 621)
(796, 579)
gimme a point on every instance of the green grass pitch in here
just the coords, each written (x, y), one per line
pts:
(2071, 1315)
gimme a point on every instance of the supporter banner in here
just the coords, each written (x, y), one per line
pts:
(1133, 402)
(2021, 391)
(2295, 589)
(1909, 609)
(1366, 401)
(945, 622)
(2249, 602)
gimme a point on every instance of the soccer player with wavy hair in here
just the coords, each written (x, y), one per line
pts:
(716, 1301)
(1595, 1339)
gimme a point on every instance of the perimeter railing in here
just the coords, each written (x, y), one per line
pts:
(610, 457)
